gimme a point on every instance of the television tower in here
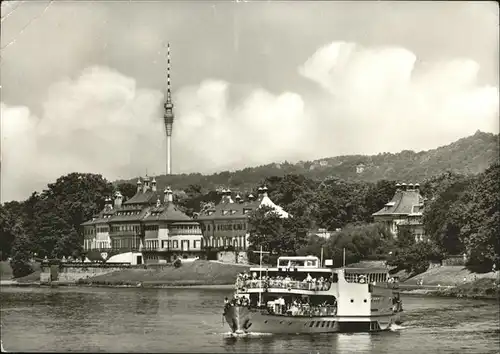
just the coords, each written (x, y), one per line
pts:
(168, 117)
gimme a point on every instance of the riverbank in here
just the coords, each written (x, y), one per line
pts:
(197, 273)
(485, 288)
(445, 281)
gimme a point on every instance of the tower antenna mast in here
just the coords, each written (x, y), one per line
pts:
(168, 117)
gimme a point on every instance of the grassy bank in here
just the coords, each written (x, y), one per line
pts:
(6, 273)
(484, 288)
(449, 276)
(197, 273)
(5, 270)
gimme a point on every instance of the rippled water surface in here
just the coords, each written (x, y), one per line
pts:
(190, 320)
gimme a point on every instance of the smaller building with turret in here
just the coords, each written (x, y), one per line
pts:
(225, 225)
(404, 210)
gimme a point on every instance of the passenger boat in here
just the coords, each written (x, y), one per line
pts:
(301, 295)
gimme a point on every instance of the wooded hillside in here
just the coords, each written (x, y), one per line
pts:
(470, 155)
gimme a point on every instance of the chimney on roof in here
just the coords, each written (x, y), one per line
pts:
(158, 202)
(238, 199)
(145, 186)
(260, 190)
(264, 191)
(139, 185)
(108, 204)
(153, 185)
(410, 186)
(403, 186)
(417, 187)
(169, 198)
(228, 196)
(118, 199)
(398, 187)
(251, 197)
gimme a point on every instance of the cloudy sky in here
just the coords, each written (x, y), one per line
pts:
(254, 82)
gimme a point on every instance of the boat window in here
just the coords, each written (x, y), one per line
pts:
(311, 324)
(317, 323)
(323, 323)
(283, 263)
(310, 263)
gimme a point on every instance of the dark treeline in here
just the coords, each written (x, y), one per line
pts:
(461, 216)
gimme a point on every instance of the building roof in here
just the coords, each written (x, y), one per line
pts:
(168, 212)
(130, 214)
(102, 217)
(228, 209)
(404, 202)
(147, 197)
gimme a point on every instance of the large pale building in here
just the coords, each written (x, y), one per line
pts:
(149, 226)
(404, 210)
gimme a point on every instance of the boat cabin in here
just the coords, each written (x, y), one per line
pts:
(366, 275)
(298, 262)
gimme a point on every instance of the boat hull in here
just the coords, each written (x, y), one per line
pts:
(243, 320)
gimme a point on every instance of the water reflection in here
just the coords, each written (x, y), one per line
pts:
(147, 302)
(189, 320)
(317, 343)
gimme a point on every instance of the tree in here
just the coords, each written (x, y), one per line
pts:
(413, 256)
(340, 203)
(10, 214)
(378, 195)
(313, 246)
(360, 241)
(444, 215)
(481, 227)
(53, 218)
(279, 236)
(127, 189)
(21, 254)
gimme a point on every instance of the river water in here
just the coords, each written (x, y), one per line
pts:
(189, 320)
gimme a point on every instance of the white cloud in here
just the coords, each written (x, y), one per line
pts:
(214, 134)
(98, 123)
(385, 100)
(377, 99)
(102, 123)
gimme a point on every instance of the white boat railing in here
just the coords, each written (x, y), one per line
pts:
(283, 284)
(306, 311)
